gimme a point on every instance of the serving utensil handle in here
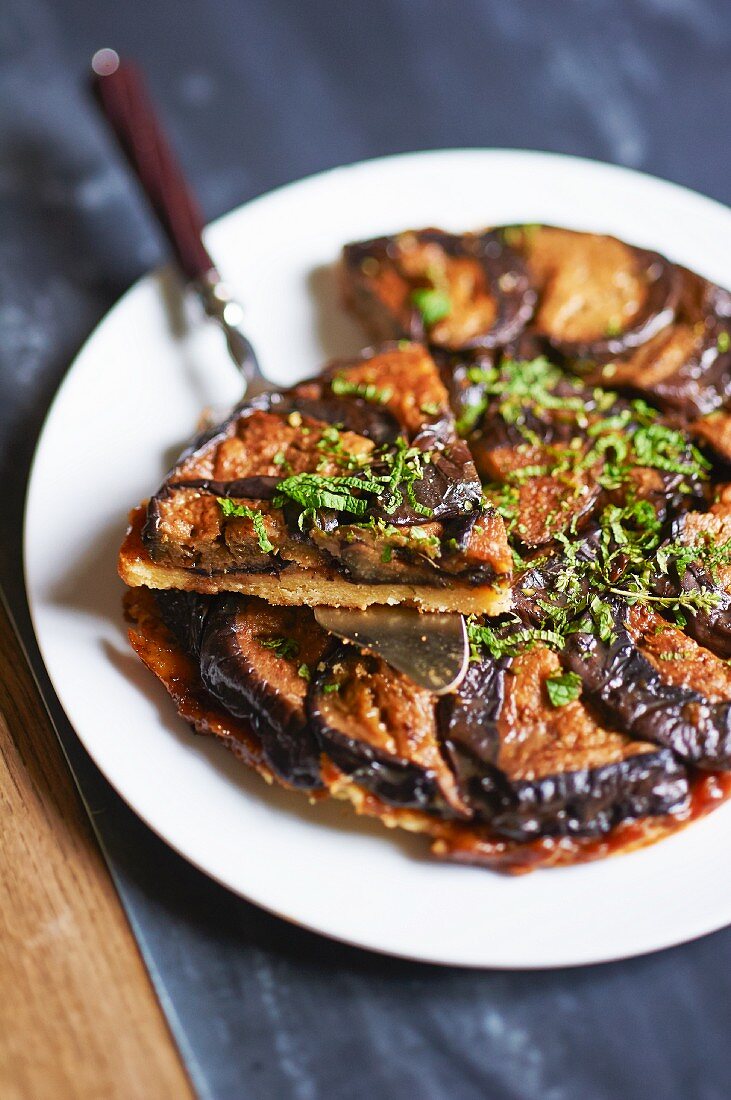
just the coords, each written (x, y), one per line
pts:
(120, 91)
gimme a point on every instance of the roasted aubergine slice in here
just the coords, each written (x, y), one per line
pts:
(453, 837)
(657, 684)
(705, 570)
(455, 292)
(597, 296)
(379, 729)
(685, 368)
(254, 660)
(618, 315)
(533, 765)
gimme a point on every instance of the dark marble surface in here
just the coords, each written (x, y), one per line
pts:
(255, 94)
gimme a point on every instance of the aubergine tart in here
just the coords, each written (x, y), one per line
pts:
(543, 444)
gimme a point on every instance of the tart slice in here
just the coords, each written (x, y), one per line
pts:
(347, 490)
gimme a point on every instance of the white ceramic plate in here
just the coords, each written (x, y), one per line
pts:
(134, 394)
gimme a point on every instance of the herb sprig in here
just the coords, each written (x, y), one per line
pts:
(633, 436)
(518, 383)
(625, 561)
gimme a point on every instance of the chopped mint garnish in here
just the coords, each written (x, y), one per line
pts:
(563, 688)
(406, 466)
(497, 643)
(343, 387)
(283, 647)
(433, 304)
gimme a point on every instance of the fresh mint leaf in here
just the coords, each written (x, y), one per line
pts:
(433, 304)
(563, 688)
(315, 491)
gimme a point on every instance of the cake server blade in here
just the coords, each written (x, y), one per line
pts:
(431, 648)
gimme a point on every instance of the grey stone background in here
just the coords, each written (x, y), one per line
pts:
(256, 93)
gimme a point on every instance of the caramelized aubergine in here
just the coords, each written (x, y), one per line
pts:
(252, 659)
(598, 297)
(685, 369)
(454, 292)
(534, 769)
(379, 728)
(666, 699)
(711, 626)
(356, 477)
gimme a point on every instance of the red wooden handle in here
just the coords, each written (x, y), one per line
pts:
(120, 92)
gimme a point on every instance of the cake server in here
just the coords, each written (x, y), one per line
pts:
(432, 649)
